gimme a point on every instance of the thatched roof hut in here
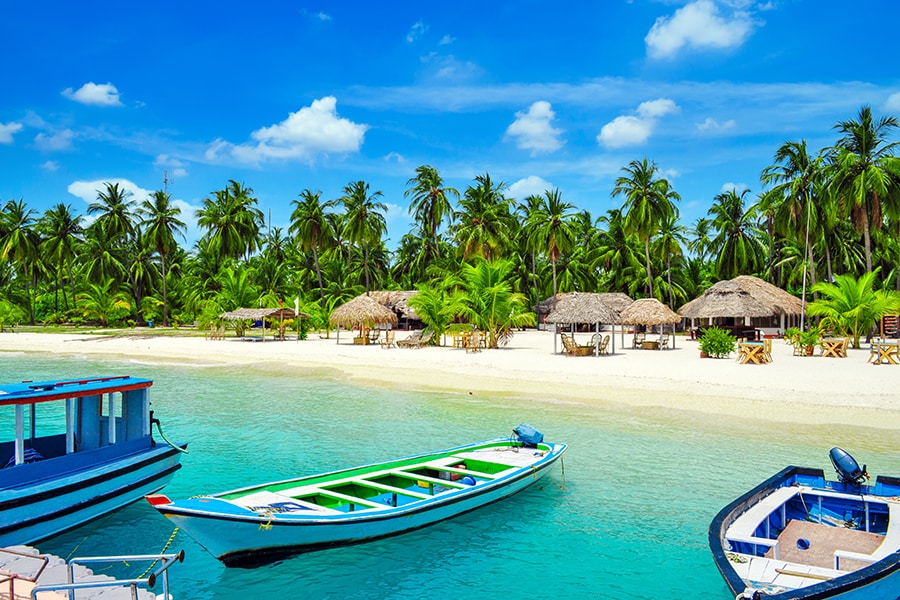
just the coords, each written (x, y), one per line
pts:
(255, 314)
(725, 299)
(648, 311)
(397, 301)
(775, 298)
(616, 300)
(362, 311)
(613, 300)
(582, 307)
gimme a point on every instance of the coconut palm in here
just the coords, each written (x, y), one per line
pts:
(490, 302)
(19, 243)
(365, 223)
(430, 203)
(438, 305)
(852, 306)
(232, 221)
(551, 228)
(669, 244)
(648, 203)
(62, 232)
(617, 255)
(864, 172)
(483, 225)
(311, 228)
(741, 249)
(103, 302)
(114, 205)
(161, 222)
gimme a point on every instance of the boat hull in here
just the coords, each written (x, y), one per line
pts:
(33, 511)
(247, 541)
(878, 581)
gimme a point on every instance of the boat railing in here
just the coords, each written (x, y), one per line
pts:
(757, 541)
(165, 560)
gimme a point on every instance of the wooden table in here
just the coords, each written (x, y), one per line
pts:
(884, 353)
(833, 347)
(751, 352)
(647, 345)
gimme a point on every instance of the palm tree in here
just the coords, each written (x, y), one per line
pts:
(430, 203)
(669, 245)
(365, 223)
(490, 302)
(483, 220)
(311, 228)
(438, 306)
(648, 203)
(552, 228)
(62, 233)
(102, 301)
(851, 306)
(114, 205)
(738, 239)
(161, 220)
(617, 253)
(865, 173)
(232, 221)
(19, 243)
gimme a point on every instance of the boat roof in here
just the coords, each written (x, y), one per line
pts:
(32, 392)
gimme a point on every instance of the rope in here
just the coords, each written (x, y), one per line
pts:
(166, 547)
(562, 463)
(163, 436)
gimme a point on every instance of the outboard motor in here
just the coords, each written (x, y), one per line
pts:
(528, 436)
(847, 468)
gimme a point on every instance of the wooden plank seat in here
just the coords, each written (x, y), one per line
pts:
(389, 488)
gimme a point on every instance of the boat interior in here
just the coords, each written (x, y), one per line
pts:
(389, 487)
(801, 535)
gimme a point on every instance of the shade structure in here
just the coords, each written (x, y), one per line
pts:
(582, 307)
(397, 301)
(255, 314)
(725, 299)
(648, 311)
(775, 298)
(362, 310)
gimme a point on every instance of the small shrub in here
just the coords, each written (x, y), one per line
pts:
(717, 343)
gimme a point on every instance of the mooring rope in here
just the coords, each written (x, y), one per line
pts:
(163, 436)
(166, 547)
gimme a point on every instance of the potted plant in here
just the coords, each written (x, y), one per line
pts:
(716, 343)
(807, 340)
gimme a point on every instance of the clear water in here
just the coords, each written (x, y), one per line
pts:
(626, 518)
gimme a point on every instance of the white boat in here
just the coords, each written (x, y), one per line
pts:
(258, 524)
(67, 461)
(798, 536)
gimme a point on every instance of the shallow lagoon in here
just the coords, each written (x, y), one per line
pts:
(626, 518)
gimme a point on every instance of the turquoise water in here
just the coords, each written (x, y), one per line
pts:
(627, 519)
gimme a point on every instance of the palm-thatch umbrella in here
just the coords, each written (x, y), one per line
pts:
(362, 311)
(397, 301)
(583, 307)
(783, 304)
(650, 311)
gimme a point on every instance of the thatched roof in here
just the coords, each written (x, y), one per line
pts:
(648, 311)
(781, 302)
(582, 307)
(397, 301)
(614, 300)
(725, 299)
(255, 314)
(362, 310)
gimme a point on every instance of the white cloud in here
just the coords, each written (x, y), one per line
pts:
(447, 40)
(697, 25)
(737, 188)
(56, 142)
(323, 16)
(630, 130)
(173, 166)
(711, 124)
(104, 94)
(7, 130)
(416, 31)
(530, 186)
(88, 190)
(893, 103)
(533, 130)
(50, 165)
(312, 130)
(395, 157)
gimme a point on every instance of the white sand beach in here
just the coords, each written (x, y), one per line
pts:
(791, 389)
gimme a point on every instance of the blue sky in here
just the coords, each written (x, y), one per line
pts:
(284, 96)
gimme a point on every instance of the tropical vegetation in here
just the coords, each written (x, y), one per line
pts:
(826, 221)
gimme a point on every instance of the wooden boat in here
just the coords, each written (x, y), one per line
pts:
(800, 536)
(255, 525)
(68, 461)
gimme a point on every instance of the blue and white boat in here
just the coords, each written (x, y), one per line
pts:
(255, 525)
(799, 536)
(80, 449)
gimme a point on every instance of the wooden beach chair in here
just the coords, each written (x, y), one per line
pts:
(638, 340)
(473, 344)
(388, 340)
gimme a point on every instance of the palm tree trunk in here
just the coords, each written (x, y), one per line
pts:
(649, 273)
(669, 280)
(366, 266)
(165, 299)
(868, 240)
(554, 278)
(319, 274)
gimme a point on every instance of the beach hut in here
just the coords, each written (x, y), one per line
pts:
(614, 300)
(362, 312)
(398, 301)
(758, 303)
(650, 312)
(261, 314)
(583, 307)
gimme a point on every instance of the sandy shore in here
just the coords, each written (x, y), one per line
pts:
(813, 391)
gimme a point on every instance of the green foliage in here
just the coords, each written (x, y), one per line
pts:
(807, 340)
(490, 303)
(100, 301)
(10, 314)
(851, 306)
(438, 307)
(717, 342)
